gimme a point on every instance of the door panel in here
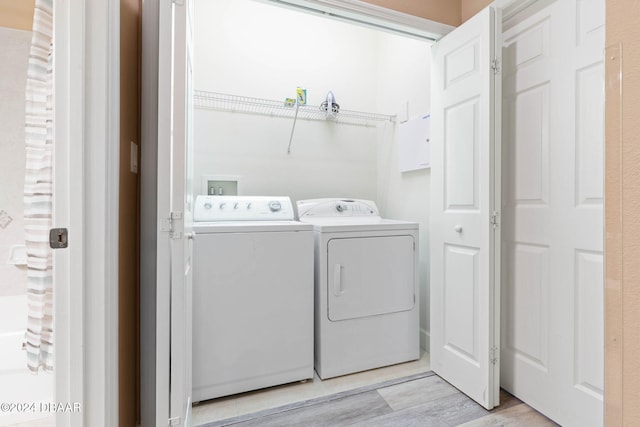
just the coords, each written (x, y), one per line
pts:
(552, 354)
(464, 279)
(461, 63)
(370, 276)
(589, 136)
(530, 159)
(589, 329)
(461, 155)
(174, 260)
(461, 302)
(527, 304)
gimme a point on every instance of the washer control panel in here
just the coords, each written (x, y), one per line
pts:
(242, 208)
(331, 208)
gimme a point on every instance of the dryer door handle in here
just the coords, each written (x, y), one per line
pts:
(337, 280)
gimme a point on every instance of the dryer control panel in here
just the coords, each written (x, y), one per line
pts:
(332, 208)
(243, 208)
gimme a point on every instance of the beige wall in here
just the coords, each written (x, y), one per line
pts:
(468, 8)
(622, 213)
(445, 11)
(17, 14)
(128, 275)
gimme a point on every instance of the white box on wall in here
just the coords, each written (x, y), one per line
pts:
(229, 183)
(414, 146)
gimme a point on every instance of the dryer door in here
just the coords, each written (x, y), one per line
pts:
(368, 276)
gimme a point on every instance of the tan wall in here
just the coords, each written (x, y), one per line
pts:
(622, 212)
(445, 11)
(468, 8)
(17, 14)
(129, 285)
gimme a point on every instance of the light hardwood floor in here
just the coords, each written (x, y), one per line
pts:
(419, 400)
(285, 395)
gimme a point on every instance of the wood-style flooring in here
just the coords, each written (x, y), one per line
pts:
(417, 401)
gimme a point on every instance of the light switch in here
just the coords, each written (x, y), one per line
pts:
(134, 157)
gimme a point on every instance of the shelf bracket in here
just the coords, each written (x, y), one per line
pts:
(293, 128)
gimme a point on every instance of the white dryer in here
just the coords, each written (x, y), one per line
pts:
(252, 295)
(366, 286)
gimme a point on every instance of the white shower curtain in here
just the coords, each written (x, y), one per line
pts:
(38, 195)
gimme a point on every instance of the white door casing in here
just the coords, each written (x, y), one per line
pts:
(86, 105)
(552, 325)
(464, 196)
(174, 278)
(69, 187)
(181, 205)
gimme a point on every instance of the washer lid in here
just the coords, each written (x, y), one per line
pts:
(327, 225)
(336, 208)
(249, 227)
(328, 215)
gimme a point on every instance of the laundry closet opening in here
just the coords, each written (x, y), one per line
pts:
(250, 58)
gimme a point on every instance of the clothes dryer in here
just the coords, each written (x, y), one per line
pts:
(366, 286)
(252, 295)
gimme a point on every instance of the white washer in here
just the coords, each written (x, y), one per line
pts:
(252, 295)
(366, 287)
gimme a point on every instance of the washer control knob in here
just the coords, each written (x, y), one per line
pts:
(249, 205)
(275, 206)
(208, 205)
(341, 208)
(235, 205)
(222, 205)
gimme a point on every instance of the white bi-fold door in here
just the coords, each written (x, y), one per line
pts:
(465, 194)
(174, 210)
(552, 231)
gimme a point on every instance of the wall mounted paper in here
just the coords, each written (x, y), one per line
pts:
(414, 147)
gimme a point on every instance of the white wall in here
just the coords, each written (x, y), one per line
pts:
(14, 45)
(253, 49)
(405, 195)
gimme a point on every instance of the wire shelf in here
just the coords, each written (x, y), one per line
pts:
(244, 104)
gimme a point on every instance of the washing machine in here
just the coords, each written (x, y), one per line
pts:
(252, 295)
(366, 286)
